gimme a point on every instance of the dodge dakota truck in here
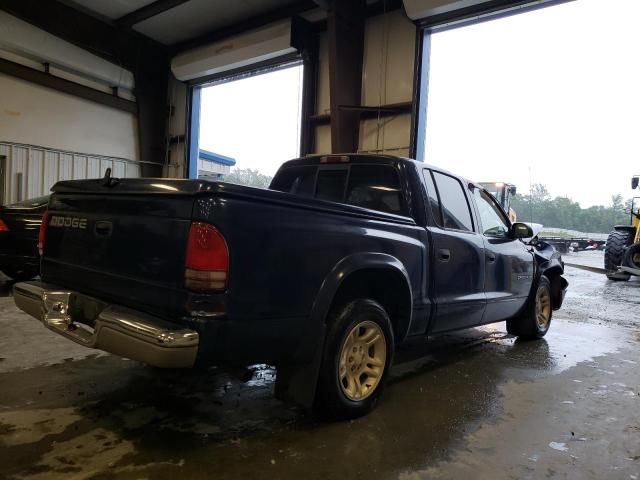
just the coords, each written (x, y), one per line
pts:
(323, 275)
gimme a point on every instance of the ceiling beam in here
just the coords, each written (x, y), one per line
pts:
(148, 11)
(65, 86)
(289, 10)
(120, 46)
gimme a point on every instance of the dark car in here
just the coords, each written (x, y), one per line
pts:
(323, 274)
(19, 226)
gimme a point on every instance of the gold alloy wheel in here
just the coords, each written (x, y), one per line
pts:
(543, 307)
(362, 360)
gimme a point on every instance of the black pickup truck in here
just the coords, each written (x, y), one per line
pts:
(343, 258)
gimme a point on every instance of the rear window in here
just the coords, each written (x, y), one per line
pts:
(295, 180)
(330, 184)
(376, 187)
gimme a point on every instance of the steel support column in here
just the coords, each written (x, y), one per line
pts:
(345, 28)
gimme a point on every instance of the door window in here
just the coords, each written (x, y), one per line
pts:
(432, 194)
(455, 208)
(491, 218)
(376, 187)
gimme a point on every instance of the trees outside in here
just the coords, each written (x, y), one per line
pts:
(562, 212)
(248, 177)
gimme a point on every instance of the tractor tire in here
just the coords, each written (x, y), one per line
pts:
(631, 256)
(614, 254)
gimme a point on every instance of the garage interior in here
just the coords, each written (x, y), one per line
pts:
(87, 85)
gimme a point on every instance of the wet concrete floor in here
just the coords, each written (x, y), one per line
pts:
(475, 404)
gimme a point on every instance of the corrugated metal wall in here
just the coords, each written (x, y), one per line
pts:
(30, 171)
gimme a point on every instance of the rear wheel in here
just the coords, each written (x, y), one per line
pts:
(358, 354)
(535, 321)
(614, 254)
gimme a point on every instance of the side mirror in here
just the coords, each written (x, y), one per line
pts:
(521, 230)
(512, 189)
(634, 182)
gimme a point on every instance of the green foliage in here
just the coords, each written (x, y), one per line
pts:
(248, 177)
(562, 212)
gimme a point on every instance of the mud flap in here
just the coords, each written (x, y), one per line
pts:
(297, 383)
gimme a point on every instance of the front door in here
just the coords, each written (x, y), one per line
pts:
(509, 270)
(457, 259)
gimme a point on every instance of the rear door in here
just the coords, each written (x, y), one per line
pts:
(457, 263)
(509, 263)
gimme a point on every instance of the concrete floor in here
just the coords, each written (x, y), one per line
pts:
(476, 404)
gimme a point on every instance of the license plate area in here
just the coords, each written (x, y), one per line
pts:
(84, 311)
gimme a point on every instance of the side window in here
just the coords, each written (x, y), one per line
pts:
(330, 185)
(455, 208)
(432, 195)
(295, 180)
(493, 222)
(376, 187)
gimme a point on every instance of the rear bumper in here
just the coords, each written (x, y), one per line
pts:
(116, 329)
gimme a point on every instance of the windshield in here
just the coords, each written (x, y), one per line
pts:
(494, 189)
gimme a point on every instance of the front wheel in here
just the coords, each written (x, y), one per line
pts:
(535, 321)
(358, 354)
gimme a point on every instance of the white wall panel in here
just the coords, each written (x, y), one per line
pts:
(35, 115)
(389, 50)
(79, 166)
(30, 171)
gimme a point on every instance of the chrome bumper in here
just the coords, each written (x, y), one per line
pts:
(116, 329)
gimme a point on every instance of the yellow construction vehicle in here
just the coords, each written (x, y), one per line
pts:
(622, 251)
(503, 192)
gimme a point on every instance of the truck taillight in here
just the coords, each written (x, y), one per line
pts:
(207, 259)
(3, 226)
(42, 233)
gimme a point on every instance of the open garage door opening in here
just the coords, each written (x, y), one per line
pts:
(547, 100)
(250, 125)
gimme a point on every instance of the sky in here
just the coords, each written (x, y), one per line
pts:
(255, 120)
(549, 96)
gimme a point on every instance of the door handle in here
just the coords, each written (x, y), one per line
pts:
(444, 255)
(491, 258)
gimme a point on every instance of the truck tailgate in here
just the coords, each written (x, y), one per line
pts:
(121, 246)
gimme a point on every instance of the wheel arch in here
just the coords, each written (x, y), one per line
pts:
(378, 276)
(554, 273)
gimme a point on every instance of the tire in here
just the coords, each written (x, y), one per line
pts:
(614, 254)
(351, 382)
(535, 321)
(631, 255)
(20, 275)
